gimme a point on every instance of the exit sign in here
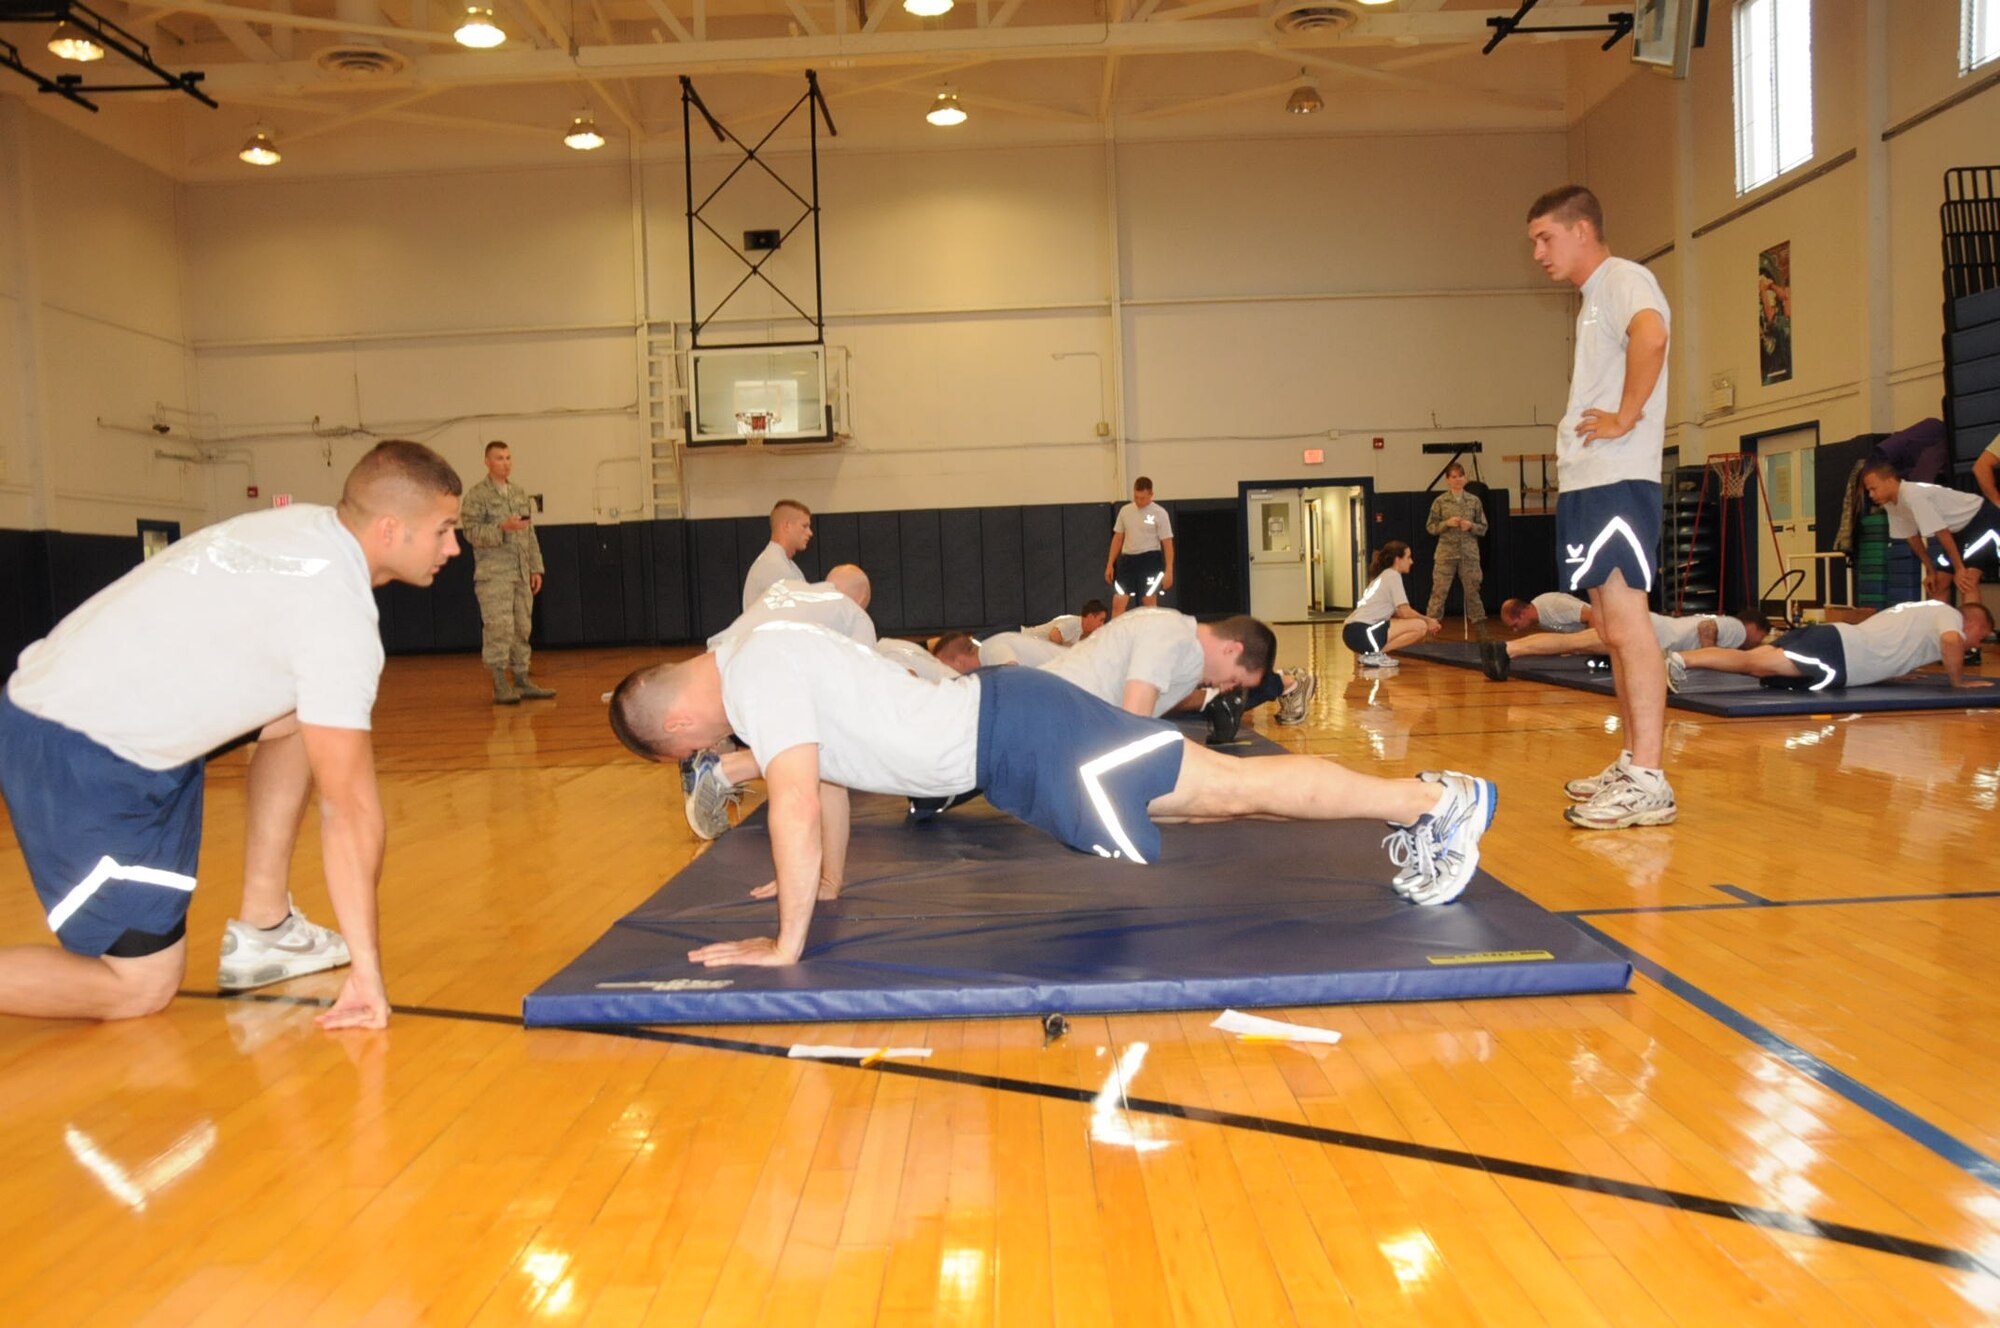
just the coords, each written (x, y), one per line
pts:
(1315, 456)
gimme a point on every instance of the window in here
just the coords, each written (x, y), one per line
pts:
(1774, 117)
(1979, 34)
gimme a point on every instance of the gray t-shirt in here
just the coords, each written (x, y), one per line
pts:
(1896, 641)
(773, 564)
(1019, 648)
(785, 684)
(1557, 612)
(1157, 646)
(1925, 509)
(913, 657)
(801, 601)
(1143, 527)
(1379, 601)
(1068, 625)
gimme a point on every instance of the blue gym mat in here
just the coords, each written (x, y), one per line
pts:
(1730, 695)
(974, 913)
(1247, 742)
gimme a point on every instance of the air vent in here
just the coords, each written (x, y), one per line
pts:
(356, 62)
(1317, 18)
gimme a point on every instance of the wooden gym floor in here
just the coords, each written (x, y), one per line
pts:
(1791, 1118)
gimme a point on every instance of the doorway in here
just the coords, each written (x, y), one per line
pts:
(1307, 548)
(1787, 463)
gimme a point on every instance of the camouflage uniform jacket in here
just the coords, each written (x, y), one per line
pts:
(501, 554)
(1453, 542)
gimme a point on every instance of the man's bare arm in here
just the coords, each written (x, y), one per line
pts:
(352, 836)
(1140, 698)
(792, 780)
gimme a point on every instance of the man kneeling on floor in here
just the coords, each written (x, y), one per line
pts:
(1884, 646)
(1737, 631)
(824, 715)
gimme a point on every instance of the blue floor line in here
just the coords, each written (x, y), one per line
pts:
(1955, 1151)
(1745, 899)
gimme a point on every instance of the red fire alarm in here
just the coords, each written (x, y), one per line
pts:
(250, 492)
(1315, 456)
(1378, 444)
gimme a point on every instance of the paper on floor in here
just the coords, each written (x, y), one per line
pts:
(1253, 1025)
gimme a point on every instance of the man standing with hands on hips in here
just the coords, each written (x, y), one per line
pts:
(1608, 458)
(1141, 561)
(497, 521)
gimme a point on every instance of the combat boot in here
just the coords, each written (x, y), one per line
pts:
(503, 690)
(531, 689)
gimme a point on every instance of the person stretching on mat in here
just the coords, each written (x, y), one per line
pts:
(825, 715)
(1954, 534)
(1553, 612)
(1066, 629)
(962, 652)
(1880, 647)
(1384, 621)
(713, 780)
(1732, 632)
(262, 625)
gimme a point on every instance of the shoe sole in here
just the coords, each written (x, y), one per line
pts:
(265, 974)
(1666, 816)
(702, 827)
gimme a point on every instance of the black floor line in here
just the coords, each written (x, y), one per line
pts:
(1771, 1219)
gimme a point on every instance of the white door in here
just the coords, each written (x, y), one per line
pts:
(1278, 566)
(1786, 461)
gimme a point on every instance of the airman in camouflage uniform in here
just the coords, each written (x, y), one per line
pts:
(1458, 519)
(496, 519)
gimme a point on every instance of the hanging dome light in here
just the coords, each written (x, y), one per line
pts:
(946, 111)
(479, 31)
(583, 135)
(71, 44)
(927, 8)
(261, 150)
(1305, 98)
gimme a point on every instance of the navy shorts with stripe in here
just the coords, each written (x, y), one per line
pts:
(1364, 638)
(1074, 766)
(1820, 655)
(1978, 542)
(112, 847)
(1611, 528)
(1136, 571)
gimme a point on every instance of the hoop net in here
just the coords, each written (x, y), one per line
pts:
(1733, 470)
(755, 423)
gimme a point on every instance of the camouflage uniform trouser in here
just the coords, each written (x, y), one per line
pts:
(1467, 571)
(507, 613)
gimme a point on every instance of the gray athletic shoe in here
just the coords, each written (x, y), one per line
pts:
(252, 957)
(1625, 802)
(710, 796)
(1292, 705)
(1583, 790)
(1441, 850)
(1677, 671)
(1376, 659)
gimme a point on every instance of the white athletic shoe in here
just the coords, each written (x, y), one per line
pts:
(1292, 705)
(1677, 671)
(1629, 800)
(1376, 659)
(710, 796)
(1440, 852)
(1402, 846)
(1583, 790)
(252, 957)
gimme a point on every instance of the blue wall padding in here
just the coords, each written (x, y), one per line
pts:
(1730, 695)
(974, 913)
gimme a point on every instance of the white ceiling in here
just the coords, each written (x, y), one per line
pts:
(1027, 71)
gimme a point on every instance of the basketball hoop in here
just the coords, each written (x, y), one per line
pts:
(1733, 470)
(755, 423)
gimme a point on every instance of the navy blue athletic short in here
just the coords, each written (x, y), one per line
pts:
(1611, 528)
(1978, 542)
(1140, 574)
(1821, 658)
(1074, 766)
(1364, 638)
(112, 847)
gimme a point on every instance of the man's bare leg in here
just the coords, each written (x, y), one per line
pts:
(275, 796)
(1541, 644)
(1213, 786)
(1759, 662)
(47, 982)
(1638, 668)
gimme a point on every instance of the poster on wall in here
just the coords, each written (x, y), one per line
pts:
(1774, 312)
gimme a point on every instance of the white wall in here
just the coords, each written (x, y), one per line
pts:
(1629, 148)
(92, 343)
